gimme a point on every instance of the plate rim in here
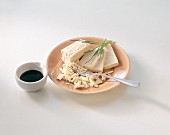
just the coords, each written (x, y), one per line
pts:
(81, 91)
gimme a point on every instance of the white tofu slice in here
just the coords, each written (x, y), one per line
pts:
(111, 59)
(100, 65)
(89, 60)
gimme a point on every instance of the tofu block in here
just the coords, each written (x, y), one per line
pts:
(74, 51)
(100, 65)
(89, 60)
(111, 59)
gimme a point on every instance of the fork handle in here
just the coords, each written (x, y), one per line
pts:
(125, 81)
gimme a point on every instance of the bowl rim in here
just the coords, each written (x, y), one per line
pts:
(45, 74)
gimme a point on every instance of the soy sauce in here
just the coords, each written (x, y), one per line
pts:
(31, 76)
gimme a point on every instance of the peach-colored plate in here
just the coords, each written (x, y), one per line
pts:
(54, 62)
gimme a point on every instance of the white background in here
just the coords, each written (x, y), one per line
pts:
(30, 29)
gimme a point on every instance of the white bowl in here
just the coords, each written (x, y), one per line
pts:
(31, 86)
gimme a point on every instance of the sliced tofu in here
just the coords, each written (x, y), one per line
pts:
(89, 60)
(111, 59)
(74, 51)
(100, 65)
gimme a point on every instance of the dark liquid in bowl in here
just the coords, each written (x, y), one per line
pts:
(31, 76)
